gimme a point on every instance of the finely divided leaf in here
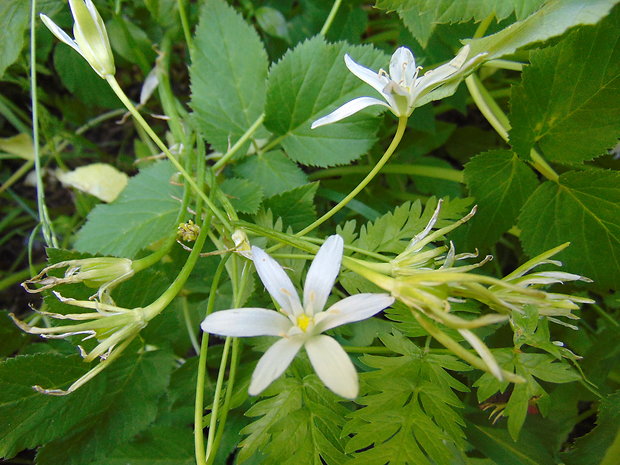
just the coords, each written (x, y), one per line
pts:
(273, 171)
(501, 184)
(574, 116)
(309, 82)
(583, 207)
(144, 212)
(228, 75)
(553, 19)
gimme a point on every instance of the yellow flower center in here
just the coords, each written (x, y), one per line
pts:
(303, 321)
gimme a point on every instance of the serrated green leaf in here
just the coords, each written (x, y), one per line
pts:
(573, 117)
(582, 208)
(13, 24)
(592, 448)
(30, 418)
(295, 206)
(160, 445)
(309, 82)
(145, 212)
(408, 412)
(273, 171)
(501, 184)
(126, 407)
(245, 195)
(553, 19)
(228, 75)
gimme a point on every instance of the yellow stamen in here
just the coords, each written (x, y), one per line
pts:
(303, 321)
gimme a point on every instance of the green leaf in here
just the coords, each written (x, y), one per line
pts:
(145, 212)
(81, 80)
(160, 445)
(496, 444)
(295, 207)
(409, 411)
(593, 447)
(273, 171)
(573, 117)
(11, 337)
(126, 407)
(582, 208)
(245, 195)
(14, 17)
(30, 418)
(302, 411)
(228, 75)
(553, 19)
(309, 82)
(501, 184)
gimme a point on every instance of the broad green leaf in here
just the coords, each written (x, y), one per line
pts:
(29, 418)
(583, 207)
(145, 212)
(501, 184)
(596, 445)
(160, 445)
(245, 195)
(421, 16)
(496, 444)
(11, 337)
(309, 82)
(14, 16)
(81, 80)
(574, 116)
(126, 407)
(295, 207)
(553, 19)
(228, 75)
(273, 171)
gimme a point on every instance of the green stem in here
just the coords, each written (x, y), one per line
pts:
(504, 64)
(542, 166)
(330, 18)
(48, 232)
(483, 26)
(185, 24)
(448, 174)
(199, 446)
(367, 350)
(138, 117)
(20, 275)
(216, 398)
(402, 124)
(249, 133)
(189, 326)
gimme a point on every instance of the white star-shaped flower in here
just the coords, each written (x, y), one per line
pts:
(402, 89)
(301, 325)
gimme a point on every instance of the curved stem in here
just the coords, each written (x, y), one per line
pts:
(400, 130)
(199, 446)
(330, 18)
(251, 130)
(448, 174)
(138, 117)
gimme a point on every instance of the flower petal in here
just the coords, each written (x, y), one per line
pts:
(277, 282)
(484, 352)
(376, 80)
(333, 366)
(322, 274)
(348, 109)
(354, 308)
(273, 363)
(438, 75)
(59, 33)
(246, 322)
(402, 67)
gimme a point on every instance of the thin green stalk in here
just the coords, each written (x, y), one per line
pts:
(330, 18)
(189, 326)
(20, 275)
(400, 130)
(199, 446)
(448, 174)
(25, 168)
(367, 350)
(504, 64)
(249, 133)
(8, 110)
(185, 25)
(48, 232)
(216, 398)
(142, 122)
(483, 26)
